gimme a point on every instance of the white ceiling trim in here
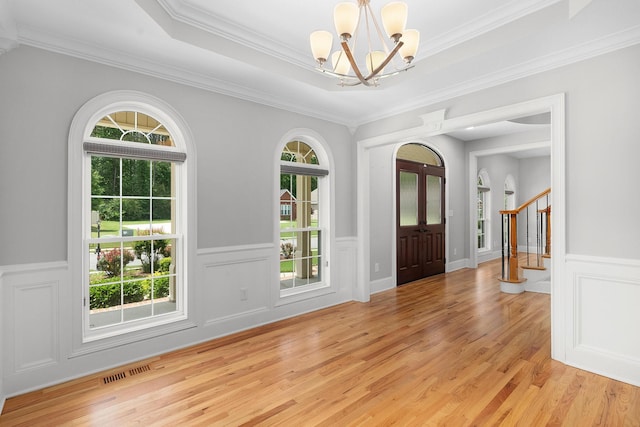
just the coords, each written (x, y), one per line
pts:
(243, 35)
(80, 49)
(204, 20)
(483, 24)
(559, 59)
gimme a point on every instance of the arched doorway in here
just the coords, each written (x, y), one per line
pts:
(420, 207)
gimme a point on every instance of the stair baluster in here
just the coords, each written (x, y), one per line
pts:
(511, 270)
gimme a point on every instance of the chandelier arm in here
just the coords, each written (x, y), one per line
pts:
(386, 61)
(378, 30)
(352, 61)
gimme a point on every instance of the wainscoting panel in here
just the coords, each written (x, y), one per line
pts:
(603, 316)
(234, 282)
(346, 261)
(35, 329)
(231, 289)
(30, 316)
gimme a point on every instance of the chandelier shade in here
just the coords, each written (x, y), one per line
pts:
(353, 19)
(321, 42)
(345, 19)
(411, 39)
(394, 19)
(340, 62)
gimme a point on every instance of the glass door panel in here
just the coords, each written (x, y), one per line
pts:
(434, 198)
(408, 198)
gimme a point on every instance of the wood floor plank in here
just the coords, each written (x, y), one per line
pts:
(448, 350)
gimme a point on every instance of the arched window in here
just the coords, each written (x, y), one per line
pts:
(509, 192)
(419, 153)
(509, 204)
(303, 214)
(134, 175)
(484, 189)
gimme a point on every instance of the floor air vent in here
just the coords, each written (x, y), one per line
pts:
(139, 370)
(114, 377)
(122, 375)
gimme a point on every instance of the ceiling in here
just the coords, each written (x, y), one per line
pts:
(259, 50)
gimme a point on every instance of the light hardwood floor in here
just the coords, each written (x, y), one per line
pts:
(450, 350)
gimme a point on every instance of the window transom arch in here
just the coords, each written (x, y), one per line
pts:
(420, 153)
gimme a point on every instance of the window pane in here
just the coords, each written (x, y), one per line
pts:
(135, 177)
(105, 304)
(434, 199)
(132, 126)
(105, 217)
(161, 185)
(161, 217)
(136, 210)
(149, 254)
(105, 176)
(408, 198)
(419, 153)
(299, 152)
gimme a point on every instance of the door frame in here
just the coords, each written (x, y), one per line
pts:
(434, 123)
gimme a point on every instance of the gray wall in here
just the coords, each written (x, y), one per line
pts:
(535, 177)
(236, 147)
(602, 112)
(498, 166)
(235, 142)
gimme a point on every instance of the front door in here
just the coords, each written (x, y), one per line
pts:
(420, 220)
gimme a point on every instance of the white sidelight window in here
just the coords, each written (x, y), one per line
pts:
(484, 192)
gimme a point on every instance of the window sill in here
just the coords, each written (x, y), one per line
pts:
(113, 338)
(304, 293)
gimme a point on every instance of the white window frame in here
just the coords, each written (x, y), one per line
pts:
(484, 189)
(85, 340)
(326, 185)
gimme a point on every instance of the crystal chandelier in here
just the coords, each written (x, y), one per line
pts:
(348, 18)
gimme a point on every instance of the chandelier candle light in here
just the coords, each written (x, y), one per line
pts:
(347, 18)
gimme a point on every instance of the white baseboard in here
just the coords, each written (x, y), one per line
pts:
(541, 286)
(488, 256)
(457, 265)
(383, 284)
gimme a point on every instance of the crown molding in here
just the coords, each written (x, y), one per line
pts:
(202, 19)
(584, 51)
(82, 50)
(185, 12)
(483, 24)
